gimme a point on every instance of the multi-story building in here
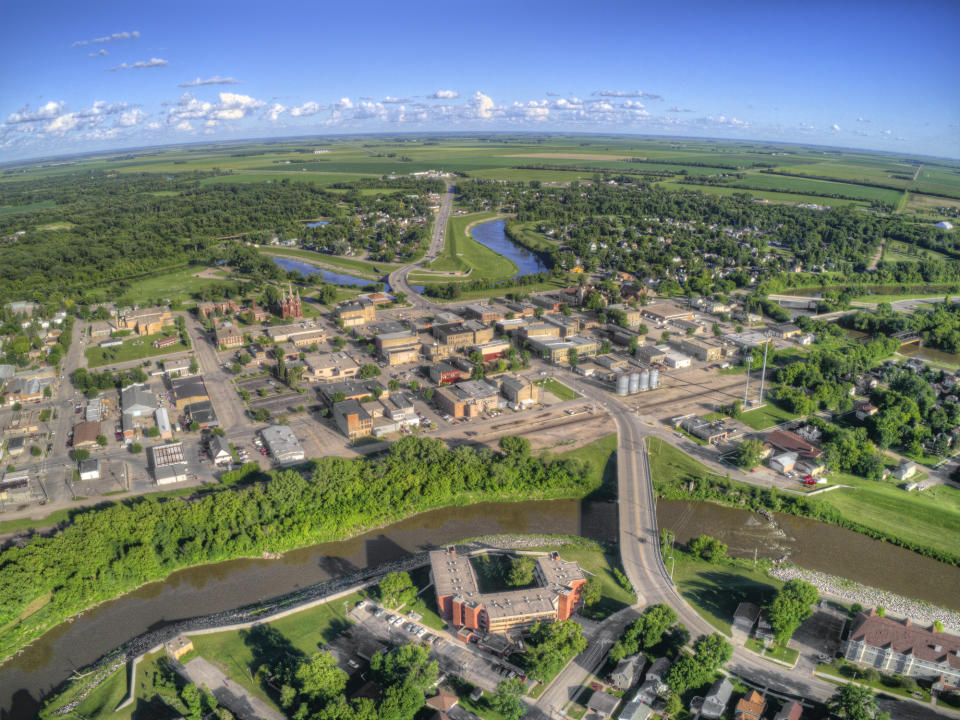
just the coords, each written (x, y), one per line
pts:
(228, 335)
(146, 321)
(559, 585)
(486, 314)
(518, 391)
(898, 646)
(300, 334)
(188, 390)
(357, 313)
(703, 349)
(289, 304)
(330, 366)
(471, 398)
(462, 334)
(493, 350)
(352, 419)
(222, 307)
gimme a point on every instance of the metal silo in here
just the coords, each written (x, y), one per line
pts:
(623, 384)
(654, 379)
(644, 380)
(634, 382)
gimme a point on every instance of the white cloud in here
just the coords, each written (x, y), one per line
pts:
(676, 109)
(125, 35)
(153, 126)
(63, 124)
(44, 112)
(887, 132)
(835, 127)
(483, 105)
(274, 112)
(343, 104)
(444, 95)
(98, 53)
(184, 126)
(863, 120)
(305, 110)
(215, 80)
(394, 101)
(626, 94)
(152, 62)
(131, 118)
(231, 106)
(369, 110)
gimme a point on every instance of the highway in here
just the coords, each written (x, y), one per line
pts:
(398, 278)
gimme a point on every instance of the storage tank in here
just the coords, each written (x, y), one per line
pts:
(634, 382)
(623, 384)
(654, 379)
(644, 380)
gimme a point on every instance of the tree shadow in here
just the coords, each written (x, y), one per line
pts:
(23, 706)
(382, 549)
(271, 651)
(719, 593)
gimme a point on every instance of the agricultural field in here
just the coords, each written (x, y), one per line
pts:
(926, 205)
(771, 196)
(766, 181)
(896, 251)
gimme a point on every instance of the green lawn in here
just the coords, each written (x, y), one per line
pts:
(714, 591)
(30, 207)
(499, 291)
(603, 467)
(558, 389)
(779, 652)
(240, 652)
(767, 416)
(845, 672)
(179, 284)
(101, 702)
(462, 252)
(133, 348)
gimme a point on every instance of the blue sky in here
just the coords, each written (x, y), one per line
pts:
(97, 75)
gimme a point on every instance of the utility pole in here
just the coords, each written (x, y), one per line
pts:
(746, 388)
(763, 373)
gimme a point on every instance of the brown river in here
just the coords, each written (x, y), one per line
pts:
(212, 588)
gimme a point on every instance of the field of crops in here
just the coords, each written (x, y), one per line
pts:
(765, 181)
(771, 196)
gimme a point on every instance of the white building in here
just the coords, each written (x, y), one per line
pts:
(282, 444)
(944, 225)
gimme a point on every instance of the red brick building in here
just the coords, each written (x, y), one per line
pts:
(289, 305)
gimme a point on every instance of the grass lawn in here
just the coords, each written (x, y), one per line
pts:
(558, 389)
(783, 654)
(845, 672)
(668, 464)
(426, 602)
(462, 252)
(599, 453)
(179, 284)
(715, 590)
(240, 652)
(499, 291)
(102, 701)
(133, 348)
(934, 514)
(767, 416)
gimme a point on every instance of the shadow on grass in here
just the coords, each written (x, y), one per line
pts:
(719, 593)
(272, 651)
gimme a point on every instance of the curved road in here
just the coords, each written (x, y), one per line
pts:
(398, 278)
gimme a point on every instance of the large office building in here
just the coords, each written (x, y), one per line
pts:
(559, 586)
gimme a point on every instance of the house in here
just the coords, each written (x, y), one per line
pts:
(905, 470)
(443, 701)
(745, 617)
(764, 629)
(655, 681)
(866, 409)
(627, 672)
(220, 451)
(716, 699)
(89, 469)
(602, 704)
(187, 391)
(282, 444)
(636, 709)
(518, 391)
(750, 707)
(790, 711)
(898, 646)
(353, 419)
(165, 341)
(85, 434)
(228, 335)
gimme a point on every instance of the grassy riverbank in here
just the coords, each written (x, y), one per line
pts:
(142, 540)
(877, 509)
(462, 252)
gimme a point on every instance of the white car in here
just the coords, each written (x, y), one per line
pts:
(421, 631)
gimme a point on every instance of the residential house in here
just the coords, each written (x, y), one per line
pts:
(750, 707)
(655, 681)
(220, 451)
(865, 409)
(627, 672)
(636, 709)
(905, 470)
(790, 711)
(602, 704)
(715, 702)
(745, 617)
(900, 647)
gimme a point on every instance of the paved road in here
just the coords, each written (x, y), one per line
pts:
(235, 698)
(398, 278)
(226, 401)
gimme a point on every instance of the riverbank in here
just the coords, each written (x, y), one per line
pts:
(382, 492)
(72, 696)
(848, 591)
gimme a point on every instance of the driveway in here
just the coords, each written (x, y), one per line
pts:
(236, 699)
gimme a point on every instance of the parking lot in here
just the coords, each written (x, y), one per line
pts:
(819, 636)
(465, 660)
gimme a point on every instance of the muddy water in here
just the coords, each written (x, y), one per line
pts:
(212, 588)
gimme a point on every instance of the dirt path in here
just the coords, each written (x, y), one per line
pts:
(877, 256)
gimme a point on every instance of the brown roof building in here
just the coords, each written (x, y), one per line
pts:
(791, 442)
(750, 707)
(894, 646)
(85, 434)
(556, 596)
